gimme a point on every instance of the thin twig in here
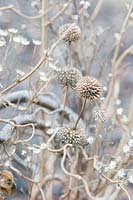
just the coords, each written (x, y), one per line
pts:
(126, 192)
(117, 182)
(74, 175)
(58, 13)
(12, 8)
(41, 191)
(116, 60)
(20, 80)
(39, 64)
(123, 29)
(23, 176)
(49, 141)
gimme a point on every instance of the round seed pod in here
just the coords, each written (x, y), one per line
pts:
(89, 87)
(71, 32)
(68, 76)
(76, 137)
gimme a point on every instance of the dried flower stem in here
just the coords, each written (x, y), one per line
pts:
(70, 53)
(115, 64)
(7, 51)
(41, 191)
(48, 143)
(116, 61)
(59, 13)
(67, 194)
(64, 103)
(120, 185)
(130, 114)
(81, 112)
(48, 178)
(126, 192)
(18, 81)
(74, 175)
(44, 28)
(23, 176)
(96, 10)
(39, 64)
(18, 12)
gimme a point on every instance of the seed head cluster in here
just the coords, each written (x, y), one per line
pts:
(89, 87)
(72, 136)
(69, 76)
(71, 32)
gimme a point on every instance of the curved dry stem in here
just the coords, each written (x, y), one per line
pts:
(48, 143)
(72, 169)
(120, 185)
(23, 176)
(74, 175)
(7, 131)
(49, 112)
(126, 192)
(32, 135)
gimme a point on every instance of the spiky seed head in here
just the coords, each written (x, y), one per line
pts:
(89, 87)
(70, 32)
(68, 76)
(76, 137)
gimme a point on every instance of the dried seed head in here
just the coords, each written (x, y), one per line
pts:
(71, 32)
(7, 184)
(68, 76)
(89, 87)
(100, 115)
(72, 136)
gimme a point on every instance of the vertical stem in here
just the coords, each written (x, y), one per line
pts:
(78, 163)
(7, 51)
(115, 63)
(64, 103)
(73, 168)
(70, 53)
(44, 38)
(44, 27)
(81, 112)
(96, 10)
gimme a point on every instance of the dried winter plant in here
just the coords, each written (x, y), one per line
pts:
(65, 132)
